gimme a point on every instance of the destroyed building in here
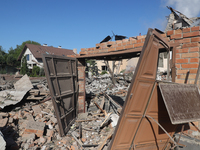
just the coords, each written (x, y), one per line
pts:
(177, 20)
(149, 114)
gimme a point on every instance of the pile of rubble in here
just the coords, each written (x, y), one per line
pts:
(30, 122)
(103, 83)
(4, 85)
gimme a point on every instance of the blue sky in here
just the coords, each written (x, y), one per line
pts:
(78, 23)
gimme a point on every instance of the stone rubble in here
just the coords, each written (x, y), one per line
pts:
(32, 124)
(103, 83)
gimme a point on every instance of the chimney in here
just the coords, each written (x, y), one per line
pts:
(75, 50)
(44, 44)
(59, 46)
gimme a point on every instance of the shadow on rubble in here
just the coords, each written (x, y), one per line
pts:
(109, 105)
(118, 99)
(10, 137)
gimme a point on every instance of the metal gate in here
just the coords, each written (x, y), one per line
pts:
(61, 74)
(136, 129)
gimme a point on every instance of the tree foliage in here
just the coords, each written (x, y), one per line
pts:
(2, 56)
(10, 60)
(91, 66)
(2, 60)
(24, 69)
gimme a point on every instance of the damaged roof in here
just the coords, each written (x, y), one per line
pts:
(178, 20)
(38, 51)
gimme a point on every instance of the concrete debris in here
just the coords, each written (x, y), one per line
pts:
(4, 85)
(177, 20)
(33, 124)
(14, 96)
(114, 118)
(11, 97)
(35, 127)
(103, 83)
(23, 84)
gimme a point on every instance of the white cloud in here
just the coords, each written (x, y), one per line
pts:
(190, 8)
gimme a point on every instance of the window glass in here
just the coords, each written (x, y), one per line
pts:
(27, 57)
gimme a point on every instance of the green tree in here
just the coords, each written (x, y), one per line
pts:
(2, 60)
(10, 60)
(2, 56)
(2, 51)
(24, 69)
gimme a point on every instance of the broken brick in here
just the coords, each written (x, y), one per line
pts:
(35, 127)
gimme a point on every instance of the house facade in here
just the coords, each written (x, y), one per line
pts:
(33, 54)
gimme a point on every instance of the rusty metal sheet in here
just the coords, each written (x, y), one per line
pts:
(61, 74)
(134, 129)
(182, 102)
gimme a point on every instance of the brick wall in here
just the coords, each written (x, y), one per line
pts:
(187, 53)
(81, 82)
(111, 46)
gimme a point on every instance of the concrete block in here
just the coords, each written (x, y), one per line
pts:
(35, 127)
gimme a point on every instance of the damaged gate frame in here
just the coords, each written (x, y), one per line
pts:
(145, 119)
(62, 78)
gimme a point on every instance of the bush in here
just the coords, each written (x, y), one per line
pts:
(35, 71)
(3, 71)
(104, 72)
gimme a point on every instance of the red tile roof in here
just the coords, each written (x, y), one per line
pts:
(38, 51)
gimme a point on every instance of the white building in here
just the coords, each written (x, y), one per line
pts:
(33, 53)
